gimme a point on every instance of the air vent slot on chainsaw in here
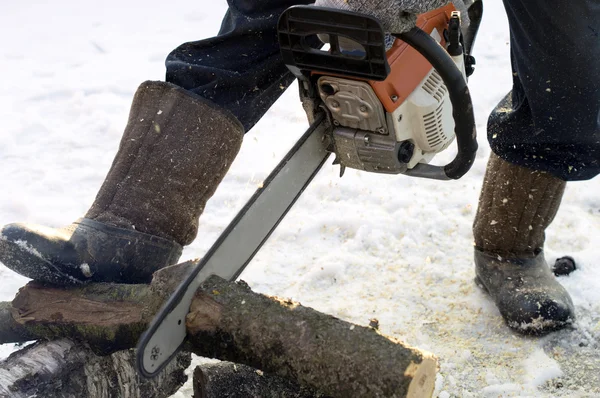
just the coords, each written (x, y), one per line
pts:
(434, 129)
(435, 86)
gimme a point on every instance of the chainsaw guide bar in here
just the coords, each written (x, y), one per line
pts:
(236, 246)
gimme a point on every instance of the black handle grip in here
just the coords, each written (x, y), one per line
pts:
(462, 107)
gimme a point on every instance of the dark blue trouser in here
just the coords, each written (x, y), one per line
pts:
(550, 121)
(241, 68)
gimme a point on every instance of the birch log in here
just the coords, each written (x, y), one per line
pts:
(64, 369)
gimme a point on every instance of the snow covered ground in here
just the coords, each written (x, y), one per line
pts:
(363, 246)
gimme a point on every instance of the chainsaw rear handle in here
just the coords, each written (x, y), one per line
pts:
(462, 108)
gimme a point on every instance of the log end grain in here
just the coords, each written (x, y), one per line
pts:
(423, 377)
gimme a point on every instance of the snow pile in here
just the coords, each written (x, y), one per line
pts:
(361, 247)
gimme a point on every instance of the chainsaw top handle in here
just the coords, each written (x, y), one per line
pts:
(299, 24)
(462, 107)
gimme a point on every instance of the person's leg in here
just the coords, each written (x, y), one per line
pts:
(181, 137)
(550, 120)
(543, 133)
(515, 208)
(241, 69)
(174, 152)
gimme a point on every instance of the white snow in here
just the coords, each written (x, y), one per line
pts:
(361, 247)
(28, 248)
(540, 368)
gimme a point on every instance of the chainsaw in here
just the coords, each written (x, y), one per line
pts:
(381, 103)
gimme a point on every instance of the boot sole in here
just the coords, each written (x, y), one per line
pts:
(24, 261)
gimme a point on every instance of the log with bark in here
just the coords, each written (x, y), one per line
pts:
(230, 322)
(232, 380)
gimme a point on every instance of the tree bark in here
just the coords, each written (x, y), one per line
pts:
(231, 380)
(230, 322)
(108, 317)
(64, 369)
(10, 330)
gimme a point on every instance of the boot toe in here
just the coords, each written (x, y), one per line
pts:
(27, 249)
(540, 312)
(529, 297)
(28, 232)
(85, 251)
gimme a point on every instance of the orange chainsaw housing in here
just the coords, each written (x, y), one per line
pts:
(408, 67)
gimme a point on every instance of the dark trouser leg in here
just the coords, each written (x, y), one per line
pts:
(240, 69)
(551, 119)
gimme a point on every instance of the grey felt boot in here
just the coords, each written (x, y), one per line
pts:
(175, 151)
(515, 208)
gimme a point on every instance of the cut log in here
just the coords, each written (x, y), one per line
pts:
(230, 322)
(63, 369)
(230, 380)
(108, 317)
